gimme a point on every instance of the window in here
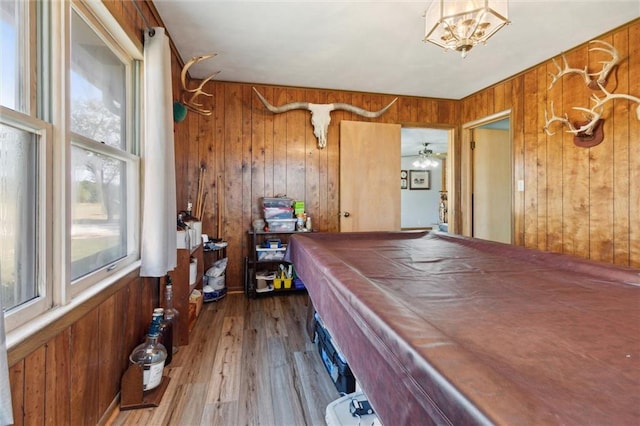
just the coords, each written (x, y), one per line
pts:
(14, 33)
(21, 145)
(98, 110)
(81, 157)
(25, 157)
(103, 164)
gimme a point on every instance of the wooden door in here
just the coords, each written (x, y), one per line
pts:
(369, 176)
(492, 192)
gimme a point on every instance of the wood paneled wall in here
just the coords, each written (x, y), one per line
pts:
(580, 201)
(577, 201)
(251, 153)
(73, 373)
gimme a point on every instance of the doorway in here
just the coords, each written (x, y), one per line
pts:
(420, 204)
(487, 179)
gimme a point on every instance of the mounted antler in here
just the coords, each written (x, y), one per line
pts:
(320, 114)
(609, 96)
(602, 76)
(555, 119)
(590, 132)
(191, 101)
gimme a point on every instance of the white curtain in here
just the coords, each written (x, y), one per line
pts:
(158, 244)
(6, 411)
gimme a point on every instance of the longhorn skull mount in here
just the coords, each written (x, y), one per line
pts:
(321, 114)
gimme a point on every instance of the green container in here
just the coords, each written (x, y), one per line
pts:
(298, 207)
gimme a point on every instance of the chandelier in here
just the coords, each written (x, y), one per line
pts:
(459, 25)
(425, 158)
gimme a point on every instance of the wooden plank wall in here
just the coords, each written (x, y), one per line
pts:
(577, 201)
(69, 373)
(580, 201)
(250, 153)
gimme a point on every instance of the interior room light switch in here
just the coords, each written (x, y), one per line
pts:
(520, 185)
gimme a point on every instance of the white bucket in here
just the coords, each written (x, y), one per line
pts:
(193, 271)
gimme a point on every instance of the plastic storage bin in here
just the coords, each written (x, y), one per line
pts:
(333, 360)
(277, 202)
(278, 213)
(270, 254)
(281, 225)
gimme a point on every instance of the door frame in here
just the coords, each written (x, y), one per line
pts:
(466, 170)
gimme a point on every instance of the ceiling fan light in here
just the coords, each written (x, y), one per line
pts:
(460, 25)
(425, 158)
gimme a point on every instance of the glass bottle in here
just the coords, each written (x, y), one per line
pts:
(166, 334)
(151, 355)
(171, 314)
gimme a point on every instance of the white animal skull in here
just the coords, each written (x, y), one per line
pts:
(320, 114)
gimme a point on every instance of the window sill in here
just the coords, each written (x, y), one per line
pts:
(23, 333)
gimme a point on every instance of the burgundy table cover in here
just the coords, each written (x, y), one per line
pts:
(443, 329)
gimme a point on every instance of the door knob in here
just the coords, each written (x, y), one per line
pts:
(346, 214)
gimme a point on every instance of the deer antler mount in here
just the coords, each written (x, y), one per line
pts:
(602, 75)
(588, 133)
(190, 96)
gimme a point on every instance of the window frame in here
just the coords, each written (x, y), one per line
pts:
(25, 55)
(129, 155)
(44, 222)
(49, 74)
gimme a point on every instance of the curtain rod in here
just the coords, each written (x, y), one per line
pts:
(149, 28)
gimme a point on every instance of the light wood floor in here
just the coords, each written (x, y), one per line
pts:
(249, 362)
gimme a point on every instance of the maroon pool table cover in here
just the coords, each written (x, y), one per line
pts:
(443, 329)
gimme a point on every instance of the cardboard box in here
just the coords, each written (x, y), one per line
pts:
(195, 307)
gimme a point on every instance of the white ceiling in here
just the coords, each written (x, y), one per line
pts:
(375, 46)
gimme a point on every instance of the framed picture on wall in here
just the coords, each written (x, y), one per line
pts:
(419, 179)
(404, 181)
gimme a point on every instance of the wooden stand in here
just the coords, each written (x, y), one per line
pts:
(131, 394)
